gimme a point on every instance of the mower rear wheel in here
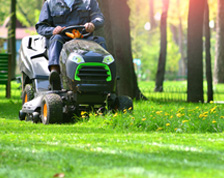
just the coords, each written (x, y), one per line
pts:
(124, 102)
(51, 109)
(28, 93)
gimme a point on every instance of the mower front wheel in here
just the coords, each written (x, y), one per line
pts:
(51, 109)
(28, 93)
(22, 115)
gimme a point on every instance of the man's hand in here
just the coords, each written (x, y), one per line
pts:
(58, 30)
(90, 27)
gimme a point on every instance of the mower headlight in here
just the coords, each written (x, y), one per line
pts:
(108, 59)
(77, 59)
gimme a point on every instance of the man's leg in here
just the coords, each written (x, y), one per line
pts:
(54, 49)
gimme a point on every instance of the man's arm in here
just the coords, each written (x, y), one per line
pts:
(96, 15)
(45, 25)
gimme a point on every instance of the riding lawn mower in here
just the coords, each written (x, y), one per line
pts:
(88, 79)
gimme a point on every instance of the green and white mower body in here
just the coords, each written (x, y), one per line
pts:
(88, 77)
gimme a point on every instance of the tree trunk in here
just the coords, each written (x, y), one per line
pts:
(151, 14)
(105, 8)
(195, 48)
(117, 34)
(163, 48)
(12, 38)
(208, 54)
(219, 58)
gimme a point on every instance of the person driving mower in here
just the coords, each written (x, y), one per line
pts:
(55, 16)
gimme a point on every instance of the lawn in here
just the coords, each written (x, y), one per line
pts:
(158, 139)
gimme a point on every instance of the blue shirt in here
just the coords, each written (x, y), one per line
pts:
(69, 3)
(57, 13)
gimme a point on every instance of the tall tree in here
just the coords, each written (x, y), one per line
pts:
(208, 54)
(117, 34)
(195, 48)
(219, 58)
(163, 48)
(104, 5)
(12, 37)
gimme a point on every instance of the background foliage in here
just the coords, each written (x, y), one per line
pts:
(145, 43)
(28, 11)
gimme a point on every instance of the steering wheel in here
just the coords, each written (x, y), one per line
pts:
(80, 28)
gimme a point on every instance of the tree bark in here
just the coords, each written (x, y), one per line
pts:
(117, 34)
(105, 8)
(12, 38)
(208, 54)
(163, 48)
(195, 48)
(219, 58)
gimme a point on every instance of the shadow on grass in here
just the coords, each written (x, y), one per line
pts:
(9, 108)
(105, 160)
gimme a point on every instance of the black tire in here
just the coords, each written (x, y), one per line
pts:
(28, 93)
(22, 115)
(51, 109)
(112, 102)
(124, 102)
(36, 117)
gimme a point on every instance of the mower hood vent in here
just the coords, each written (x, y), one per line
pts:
(93, 72)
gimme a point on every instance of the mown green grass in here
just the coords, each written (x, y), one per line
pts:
(137, 144)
